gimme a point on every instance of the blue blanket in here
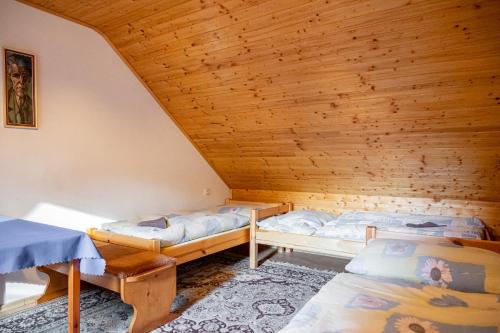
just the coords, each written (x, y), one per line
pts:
(25, 244)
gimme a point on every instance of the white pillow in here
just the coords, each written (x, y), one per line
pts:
(240, 210)
(311, 218)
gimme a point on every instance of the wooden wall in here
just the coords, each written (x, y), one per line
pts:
(388, 98)
(489, 212)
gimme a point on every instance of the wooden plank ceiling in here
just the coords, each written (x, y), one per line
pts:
(391, 97)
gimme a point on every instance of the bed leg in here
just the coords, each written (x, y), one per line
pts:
(254, 250)
(151, 300)
(254, 247)
(371, 233)
(288, 250)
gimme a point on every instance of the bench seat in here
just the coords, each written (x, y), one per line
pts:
(146, 280)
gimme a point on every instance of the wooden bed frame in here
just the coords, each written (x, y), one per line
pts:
(372, 233)
(319, 245)
(193, 249)
(313, 244)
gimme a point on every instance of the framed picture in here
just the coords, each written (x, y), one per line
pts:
(20, 90)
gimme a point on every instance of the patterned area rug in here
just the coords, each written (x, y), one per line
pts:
(215, 294)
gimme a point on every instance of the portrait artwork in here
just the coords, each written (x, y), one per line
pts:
(20, 106)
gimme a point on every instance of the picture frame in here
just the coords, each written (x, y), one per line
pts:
(20, 110)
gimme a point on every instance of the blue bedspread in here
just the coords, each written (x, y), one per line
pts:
(25, 244)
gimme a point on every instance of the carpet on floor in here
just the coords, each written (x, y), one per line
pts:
(216, 294)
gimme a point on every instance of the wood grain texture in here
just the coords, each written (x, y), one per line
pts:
(74, 296)
(395, 98)
(489, 212)
(151, 295)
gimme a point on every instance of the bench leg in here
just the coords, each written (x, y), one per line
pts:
(254, 246)
(151, 299)
(57, 285)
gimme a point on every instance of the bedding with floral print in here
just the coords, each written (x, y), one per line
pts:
(447, 301)
(436, 272)
(449, 274)
(399, 248)
(370, 302)
(401, 323)
(399, 282)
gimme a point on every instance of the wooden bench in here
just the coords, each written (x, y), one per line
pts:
(144, 279)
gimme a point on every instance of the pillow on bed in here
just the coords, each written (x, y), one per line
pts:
(311, 218)
(273, 224)
(304, 222)
(245, 211)
(324, 217)
(445, 265)
(160, 223)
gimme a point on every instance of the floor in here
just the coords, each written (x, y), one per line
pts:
(215, 294)
(311, 260)
(300, 258)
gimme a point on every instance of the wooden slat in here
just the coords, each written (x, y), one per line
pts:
(131, 241)
(207, 245)
(313, 244)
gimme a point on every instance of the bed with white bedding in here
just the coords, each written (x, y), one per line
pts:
(183, 228)
(297, 230)
(418, 224)
(352, 303)
(188, 235)
(352, 225)
(346, 235)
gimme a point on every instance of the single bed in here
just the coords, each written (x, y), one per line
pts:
(189, 235)
(395, 293)
(469, 227)
(345, 235)
(355, 303)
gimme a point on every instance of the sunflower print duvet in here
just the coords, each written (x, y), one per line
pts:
(354, 303)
